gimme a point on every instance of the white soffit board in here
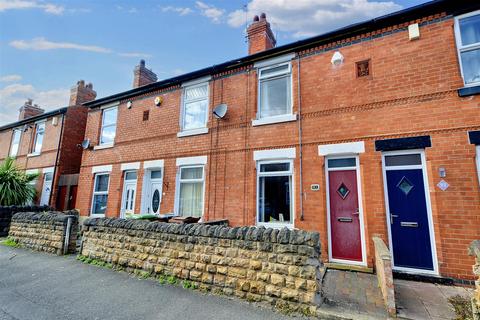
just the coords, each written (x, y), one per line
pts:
(130, 166)
(153, 164)
(288, 153)
(48, 170)
(270, 62)
(341, 148)
(191, 161)
(107, 168)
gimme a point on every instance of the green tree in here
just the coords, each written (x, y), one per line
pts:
(15, 184)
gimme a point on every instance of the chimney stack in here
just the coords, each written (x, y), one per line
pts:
(260, 35)
(143, 76)
(29, 110)
(81, 93)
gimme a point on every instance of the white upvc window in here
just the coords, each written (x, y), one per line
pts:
(275, 193)
(100, 194)
(194, 114)
(109, 126)
(467, 34)
(16, 135)
(38, 138)
(190, 191)
(275, 91)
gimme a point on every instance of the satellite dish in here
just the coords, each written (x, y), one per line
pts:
(220, 111)
(86, 144)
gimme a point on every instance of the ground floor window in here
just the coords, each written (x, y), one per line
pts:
(274, 194)
(100, 193)
(191, 190)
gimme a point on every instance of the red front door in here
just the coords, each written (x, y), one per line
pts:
(346, 243)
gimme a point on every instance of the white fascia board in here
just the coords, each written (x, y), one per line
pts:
(273, 61)
(31, 171)
(196, 81)
(288, 153)
(341, 148)
(48, 170)
(106, 168)
(153, 164)
(191, 161)
(130, 166)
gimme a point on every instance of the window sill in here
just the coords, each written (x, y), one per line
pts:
(35, 154)
(469, 91)
(103, 146)
(193, 132)
(274, 225)
(97, 215)
(276, 119)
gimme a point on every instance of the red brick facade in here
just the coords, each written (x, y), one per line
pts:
(411, 90)
(60, 153)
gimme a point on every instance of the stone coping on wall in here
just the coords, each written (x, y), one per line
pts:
(45, 231)
(280, 267)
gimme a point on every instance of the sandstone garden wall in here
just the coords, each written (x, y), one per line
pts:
(46, 231)
(6, 214)
(281, 267)
(383, 267)
(474, 250)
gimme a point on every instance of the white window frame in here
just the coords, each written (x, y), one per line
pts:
(123, 210)
(94, 193)
(180, 180)
(461, 48)
(106, 144)
(276, 225)
(289, 116)
(156, 165)
(14, 131)
(37, 124)
(196, 131)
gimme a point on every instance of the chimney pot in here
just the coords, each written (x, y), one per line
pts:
(260, 35)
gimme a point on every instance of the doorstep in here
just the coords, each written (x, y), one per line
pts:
(348, 267)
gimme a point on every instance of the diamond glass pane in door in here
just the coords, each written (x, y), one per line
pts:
(343, 191)
(405, 185)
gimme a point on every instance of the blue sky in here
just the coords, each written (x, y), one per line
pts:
(47, 46)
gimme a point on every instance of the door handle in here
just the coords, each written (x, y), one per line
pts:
(393, 216)
(357, 212)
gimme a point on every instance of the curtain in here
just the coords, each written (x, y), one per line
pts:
(191, 200)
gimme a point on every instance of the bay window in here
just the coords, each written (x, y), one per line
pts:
(467, 34)
(275, 192)
(100, 193)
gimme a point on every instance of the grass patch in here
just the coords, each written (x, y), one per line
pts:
(9, 242)
(187, 284)
(462, 306)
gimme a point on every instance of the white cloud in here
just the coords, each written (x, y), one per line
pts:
(134, 55)
(213, 13)
(14, 96)
(182, 11)
(303, 18)
(24, 4)
(11, 78)
(128, 10)
(44, 44)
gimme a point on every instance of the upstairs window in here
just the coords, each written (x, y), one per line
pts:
(17, 133)
(467, 33)
(195, 107)
(109, 126)
(38, 138)
(275, 91)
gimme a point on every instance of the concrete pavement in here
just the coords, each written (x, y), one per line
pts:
(42, 286)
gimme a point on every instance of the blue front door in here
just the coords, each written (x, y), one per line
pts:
(409, 218)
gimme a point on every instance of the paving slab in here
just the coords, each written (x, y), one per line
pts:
(426, 301)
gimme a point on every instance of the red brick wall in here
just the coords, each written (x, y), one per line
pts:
(411, 91)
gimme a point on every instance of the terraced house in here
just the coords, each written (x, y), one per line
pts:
(371, 129)
(47, 143)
